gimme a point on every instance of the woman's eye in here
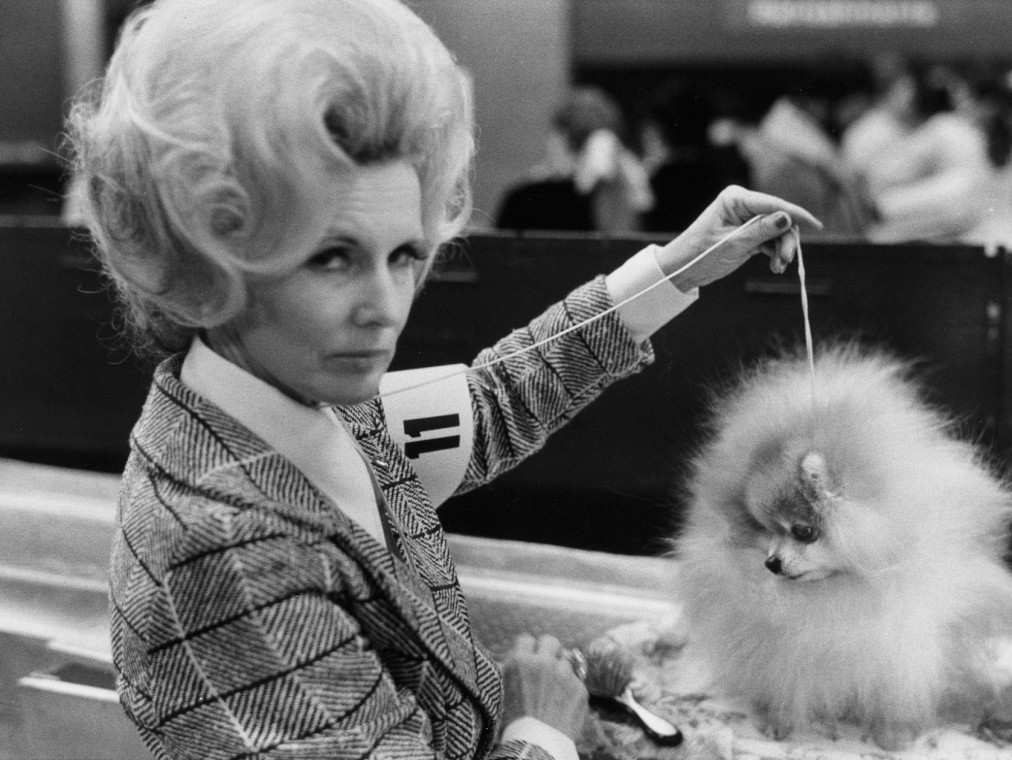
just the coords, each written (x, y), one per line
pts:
(804, 533)
(331, 258)
(408, 254)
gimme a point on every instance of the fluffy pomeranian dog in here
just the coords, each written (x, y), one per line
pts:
(842, 556)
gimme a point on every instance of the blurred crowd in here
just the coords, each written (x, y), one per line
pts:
(905, 152)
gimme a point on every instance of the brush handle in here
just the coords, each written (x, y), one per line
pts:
(658, 729)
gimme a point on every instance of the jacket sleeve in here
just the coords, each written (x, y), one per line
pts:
(262, 653)
(519, 750)
(520, 401)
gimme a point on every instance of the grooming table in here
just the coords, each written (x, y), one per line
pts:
(667, 682)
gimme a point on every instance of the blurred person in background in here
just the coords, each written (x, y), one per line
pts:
(589, 180)
(985, 97)
(685, 167)
(792, 154)
(889, 115)
(941, 182)
(996, 104)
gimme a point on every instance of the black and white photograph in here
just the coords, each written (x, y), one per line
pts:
(506, 380)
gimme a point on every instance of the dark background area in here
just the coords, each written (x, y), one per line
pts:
(632, 48)
(71, 389)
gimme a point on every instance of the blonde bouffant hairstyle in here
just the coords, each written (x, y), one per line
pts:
(210, 149)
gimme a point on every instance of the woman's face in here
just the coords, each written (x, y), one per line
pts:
(326, 332)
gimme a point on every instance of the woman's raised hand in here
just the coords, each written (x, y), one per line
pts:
(771, 234)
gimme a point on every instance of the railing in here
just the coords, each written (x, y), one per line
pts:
(70, 389)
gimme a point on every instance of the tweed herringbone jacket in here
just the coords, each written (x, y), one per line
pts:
(252, 618)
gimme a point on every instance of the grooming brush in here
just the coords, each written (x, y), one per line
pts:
(608, 676)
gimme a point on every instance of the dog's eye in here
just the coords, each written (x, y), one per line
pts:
(804, 533)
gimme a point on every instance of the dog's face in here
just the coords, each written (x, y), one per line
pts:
(789, 499)
(798, 552)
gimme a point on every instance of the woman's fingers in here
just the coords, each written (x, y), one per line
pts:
(544, 645)
(744, 204)
(785, 246)
(524, 644)
(776, 238)
(549, 646)
(780, 250)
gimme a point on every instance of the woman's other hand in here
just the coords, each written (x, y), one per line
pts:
(771, 235)
(540, 683)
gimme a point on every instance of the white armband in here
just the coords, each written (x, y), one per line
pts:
(429, 415)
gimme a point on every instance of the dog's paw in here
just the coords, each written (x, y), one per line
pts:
(774, 729)
(894, 736)
(830, 728)
(771, 725)
(999, 710)
(996, 729)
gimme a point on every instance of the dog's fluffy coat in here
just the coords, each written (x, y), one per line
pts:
(881, 607)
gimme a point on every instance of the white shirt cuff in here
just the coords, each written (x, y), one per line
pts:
(534, 731)
(651, 309)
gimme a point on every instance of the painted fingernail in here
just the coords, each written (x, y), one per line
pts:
(782, 221)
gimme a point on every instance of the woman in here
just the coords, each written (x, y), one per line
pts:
(268, 184)
(939, 183)
(588, 181)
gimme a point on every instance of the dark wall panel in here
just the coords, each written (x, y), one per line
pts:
(31, 87)
(70, 390)
(605, 481)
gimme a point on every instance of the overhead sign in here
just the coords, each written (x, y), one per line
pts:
(832, 14)
(649, 32)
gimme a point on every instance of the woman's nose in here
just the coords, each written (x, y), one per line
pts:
(379, 302)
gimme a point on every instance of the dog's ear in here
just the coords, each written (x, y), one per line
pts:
(813, 469)
(816, 480)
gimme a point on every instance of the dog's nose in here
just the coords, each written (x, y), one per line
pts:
(774, 565)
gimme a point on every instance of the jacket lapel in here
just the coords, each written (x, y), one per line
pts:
(422, 611)
(222, 456)
(422, 541)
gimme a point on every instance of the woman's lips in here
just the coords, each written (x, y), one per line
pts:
(362, 361)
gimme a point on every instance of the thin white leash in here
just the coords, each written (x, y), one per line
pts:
(804, 311)
(600, 315)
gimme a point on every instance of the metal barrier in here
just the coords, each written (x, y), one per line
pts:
(70, 389)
